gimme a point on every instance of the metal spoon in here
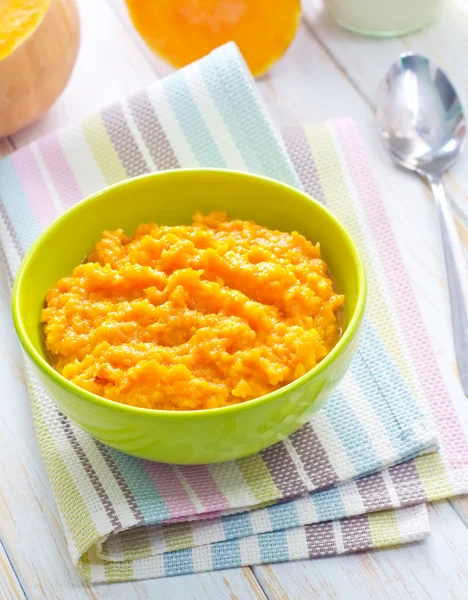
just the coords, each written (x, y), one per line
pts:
(422, 124)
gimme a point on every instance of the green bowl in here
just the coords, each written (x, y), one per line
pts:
(170, 198)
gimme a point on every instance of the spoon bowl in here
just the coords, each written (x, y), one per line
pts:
(420, 116)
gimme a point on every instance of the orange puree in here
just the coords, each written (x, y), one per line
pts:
(192, 317)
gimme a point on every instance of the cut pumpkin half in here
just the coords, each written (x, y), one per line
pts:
(39, 42)
(181, 31)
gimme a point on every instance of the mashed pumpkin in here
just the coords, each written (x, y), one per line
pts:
(192, 317)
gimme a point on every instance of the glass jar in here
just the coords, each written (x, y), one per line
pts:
(384, 17)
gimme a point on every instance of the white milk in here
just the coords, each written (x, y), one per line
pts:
(384, 17)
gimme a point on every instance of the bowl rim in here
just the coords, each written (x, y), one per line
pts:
(48, 370)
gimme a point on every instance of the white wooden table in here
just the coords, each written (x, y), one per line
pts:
(326, 73)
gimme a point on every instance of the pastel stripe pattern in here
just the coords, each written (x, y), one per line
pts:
(358, 475)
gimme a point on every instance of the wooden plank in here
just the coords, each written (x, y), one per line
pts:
(364, 59)
(436, 568)
(460, 505)
(10, 587)
(159, 66)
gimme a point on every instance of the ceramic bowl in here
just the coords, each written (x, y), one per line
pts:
(170, 198)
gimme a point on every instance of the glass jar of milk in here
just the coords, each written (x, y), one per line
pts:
(384, 17)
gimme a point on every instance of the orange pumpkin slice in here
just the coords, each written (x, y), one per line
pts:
(182, 31)
(18, 20)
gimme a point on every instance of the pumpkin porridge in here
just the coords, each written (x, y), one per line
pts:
(192, 317)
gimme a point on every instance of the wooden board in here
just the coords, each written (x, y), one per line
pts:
(10, 587)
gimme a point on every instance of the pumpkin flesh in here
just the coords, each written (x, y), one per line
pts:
(182, 31)
(18, 20)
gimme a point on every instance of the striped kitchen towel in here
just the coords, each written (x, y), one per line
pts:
(358, 474)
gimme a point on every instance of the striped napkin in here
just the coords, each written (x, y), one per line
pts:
(358, 475)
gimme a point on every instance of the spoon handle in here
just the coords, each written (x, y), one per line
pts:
(457, 276)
